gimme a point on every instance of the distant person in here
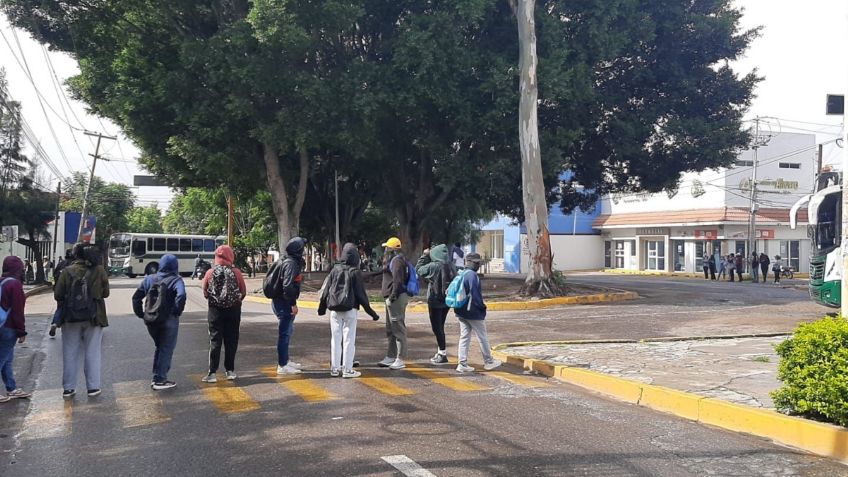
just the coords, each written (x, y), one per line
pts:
(168, 301)
(712, 266)
(775, 269)
(434, 266)
(458, 256)
(250, 266)
(61, 264)
(395, 275)
(81, 292)
(472, 316)
(740, 265)
(764, 265)
(722, 267)
(343, 293)
(47, 265)
(706, 266)
(29, 276)
(284, 306)
(755, 267)
(224, 288)
(13, 327)
(730, 265)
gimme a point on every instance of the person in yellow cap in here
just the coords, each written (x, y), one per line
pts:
(395, 274)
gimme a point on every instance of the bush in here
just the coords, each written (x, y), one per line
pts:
(814, 371)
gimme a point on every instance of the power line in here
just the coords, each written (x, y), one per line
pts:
(59, 97)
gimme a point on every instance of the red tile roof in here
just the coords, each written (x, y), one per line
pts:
(696, 217)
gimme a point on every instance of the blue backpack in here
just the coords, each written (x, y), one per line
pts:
(456, 297)
(3, 313)
(412, 286)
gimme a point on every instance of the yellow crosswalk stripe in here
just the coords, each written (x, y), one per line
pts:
(450, 382)
(138, 404)
(384, 386)
(306, 389)
(49, 417)
(518, 379)
(226, 396)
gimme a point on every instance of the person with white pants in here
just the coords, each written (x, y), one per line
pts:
(343, 294)
(472, 316)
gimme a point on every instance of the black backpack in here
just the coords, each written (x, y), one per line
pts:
(272, 286)
(158, 302)
(339, 289)
(79, 303)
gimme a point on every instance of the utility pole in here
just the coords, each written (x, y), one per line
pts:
(338, 239)
(819, 162)
(752, 224)
(55, 255)
(84, 216)
(231, 227)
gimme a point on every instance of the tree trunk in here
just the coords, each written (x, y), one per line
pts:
(539, 276)
(288, 219)
(412, 239)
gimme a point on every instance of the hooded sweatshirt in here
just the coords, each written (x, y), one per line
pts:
(438, 271)
(168, 270)
(225, 257)
(394, 275)
(476, 309)
(13, 298)
(349, 264)
(292, 272)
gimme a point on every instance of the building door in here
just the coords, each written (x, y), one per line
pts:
(790, 253)
(699, 256)
(619, 254)
(679, 247)
(655, 254)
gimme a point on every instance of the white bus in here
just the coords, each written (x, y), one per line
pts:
(136, 254)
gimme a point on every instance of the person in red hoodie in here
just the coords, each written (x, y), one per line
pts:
(224, 288)
(12, 300)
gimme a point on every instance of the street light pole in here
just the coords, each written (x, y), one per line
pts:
(752, 225)
(338, 238)
(85, 198)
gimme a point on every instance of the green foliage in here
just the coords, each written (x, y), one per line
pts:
(144, 220)
(109, 202)
(814, 371)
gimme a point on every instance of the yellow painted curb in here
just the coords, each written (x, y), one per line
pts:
(819, 438)
(495, 305)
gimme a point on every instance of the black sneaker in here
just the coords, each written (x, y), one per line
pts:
(355, 363)
(52, 331)
(68, 393)
(164, 385)
(93, 392)
(439, 358)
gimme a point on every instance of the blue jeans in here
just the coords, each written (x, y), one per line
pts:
(283, 310)
(8, 338)
(164, 334)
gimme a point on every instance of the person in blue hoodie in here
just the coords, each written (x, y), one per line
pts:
(472, 317)
(164, 330)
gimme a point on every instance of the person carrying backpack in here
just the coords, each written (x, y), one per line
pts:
(224, 288)
(755, 267)
(81, 292)
(435, 267)
(472, 315)
(343, 293)
(764, 265)
(159, 301)
(282, 286)
(12, 324)
(395, 275)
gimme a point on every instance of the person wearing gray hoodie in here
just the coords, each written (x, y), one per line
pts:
(435, 267)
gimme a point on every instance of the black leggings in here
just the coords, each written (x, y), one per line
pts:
(223, 329)
(437, 322)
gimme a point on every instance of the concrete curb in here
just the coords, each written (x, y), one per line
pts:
(37, 290)
(617, 295)
(674, 274)
(819, 438)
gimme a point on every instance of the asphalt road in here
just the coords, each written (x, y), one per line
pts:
(484, 424)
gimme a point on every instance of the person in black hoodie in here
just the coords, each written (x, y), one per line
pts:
(343, 293)
(285, 307)
(435, 266)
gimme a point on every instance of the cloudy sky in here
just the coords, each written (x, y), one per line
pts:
(801, 54)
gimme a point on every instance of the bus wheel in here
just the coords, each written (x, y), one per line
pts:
(131, 275)
(151, 269)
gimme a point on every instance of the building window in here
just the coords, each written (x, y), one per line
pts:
(790, 253)
(619, 254)
(497, 244)
(655, 253)
(607, 253)
(744, 163)
(789, 165)
(679, 255)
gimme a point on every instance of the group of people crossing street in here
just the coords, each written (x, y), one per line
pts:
(731, 267)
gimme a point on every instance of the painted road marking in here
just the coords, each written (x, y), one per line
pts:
(139, 405)
(407, 466)
(450, 382)
(307, 389)
(226, 396)
(50, 417)
(384, 386)
(518, 379)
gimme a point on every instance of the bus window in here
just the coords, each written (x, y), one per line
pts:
(220, 241)
(196, 245)
(173, 245)
(185, 245)
(150, 243)
(138, 248)
(159, 244)
(208, 245)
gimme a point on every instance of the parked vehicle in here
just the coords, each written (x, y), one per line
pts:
(135, 254)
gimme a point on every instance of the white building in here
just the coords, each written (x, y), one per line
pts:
(709, 213)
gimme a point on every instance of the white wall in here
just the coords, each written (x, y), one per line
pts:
(571, 252)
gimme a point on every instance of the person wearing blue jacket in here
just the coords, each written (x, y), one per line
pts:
(472, 317)
(164, 330)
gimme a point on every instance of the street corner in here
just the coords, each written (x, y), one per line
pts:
(37, 289)
(538, 304)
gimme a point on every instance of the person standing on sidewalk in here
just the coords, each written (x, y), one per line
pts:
(343, 293)
(722, 266)
(472, 316)
(285, 306)
(731, 267)
(13, 327)
(764, 265)
(755, 267)
(740, 265)
(82, 290)
(224, 288)
(775, 269)
(706, 266)
(434, 266)
(167, 282)
(395, 274)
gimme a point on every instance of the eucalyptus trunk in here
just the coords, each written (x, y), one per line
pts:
(539, 275)
(287, 213)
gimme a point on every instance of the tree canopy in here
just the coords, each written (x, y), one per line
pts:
(144, 220)
(109, 202)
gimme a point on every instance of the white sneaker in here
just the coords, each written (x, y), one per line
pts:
(386, 362)
(209, 378)
(231, 375)
(494, 364)
(335, 373)
(351, 374)
(295, 365)
(464, 368)
(287, 370)
(397, 364)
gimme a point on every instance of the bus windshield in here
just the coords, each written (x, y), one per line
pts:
(827, 230)
(119, 245)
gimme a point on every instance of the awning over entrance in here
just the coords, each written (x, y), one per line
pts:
(682, 218)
